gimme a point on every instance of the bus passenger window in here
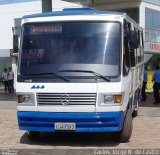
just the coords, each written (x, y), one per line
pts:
(126, 60)
(126, 53)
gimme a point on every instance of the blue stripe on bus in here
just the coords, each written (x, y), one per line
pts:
(85, 122)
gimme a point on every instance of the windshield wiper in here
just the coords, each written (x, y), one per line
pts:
(88, 71)
(49, 73)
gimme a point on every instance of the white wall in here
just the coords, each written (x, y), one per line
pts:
(10, 11)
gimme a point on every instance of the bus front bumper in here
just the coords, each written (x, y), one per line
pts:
(84, 122)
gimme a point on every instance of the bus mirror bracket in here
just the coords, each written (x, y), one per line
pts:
(15, 43)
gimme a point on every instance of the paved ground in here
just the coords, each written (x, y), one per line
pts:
(146, 132)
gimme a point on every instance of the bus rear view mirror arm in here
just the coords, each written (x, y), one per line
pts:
(15, 43)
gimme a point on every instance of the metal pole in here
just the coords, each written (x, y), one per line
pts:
(46, 6)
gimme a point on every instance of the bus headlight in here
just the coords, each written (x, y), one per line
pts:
(116, 99)
(25, 99)
(108, 99)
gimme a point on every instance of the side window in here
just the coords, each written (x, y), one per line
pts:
(138, 50)
(126, 51)
(141, 46)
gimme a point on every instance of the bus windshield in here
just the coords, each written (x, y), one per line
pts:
(56, 47)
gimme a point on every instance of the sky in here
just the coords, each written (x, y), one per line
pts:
(14, 1)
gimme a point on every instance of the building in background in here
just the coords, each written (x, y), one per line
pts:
(11, 12)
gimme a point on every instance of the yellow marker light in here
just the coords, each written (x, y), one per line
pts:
(118, 99)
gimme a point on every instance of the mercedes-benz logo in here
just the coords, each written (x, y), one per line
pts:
(65, 99)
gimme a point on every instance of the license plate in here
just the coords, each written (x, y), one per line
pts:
(65, 126)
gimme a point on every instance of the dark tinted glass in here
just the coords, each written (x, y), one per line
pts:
(50, 47)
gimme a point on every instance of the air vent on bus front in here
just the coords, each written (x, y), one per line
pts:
(66, 99)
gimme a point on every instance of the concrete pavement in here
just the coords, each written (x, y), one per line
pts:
(7, 101)
(149, 109)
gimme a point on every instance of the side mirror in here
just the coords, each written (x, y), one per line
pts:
(134, 40)
(15, 43)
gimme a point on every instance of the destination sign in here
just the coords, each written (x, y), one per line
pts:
(46, 28)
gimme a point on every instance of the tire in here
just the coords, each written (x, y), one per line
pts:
(135, 112)
(124, 135)
(33, 135)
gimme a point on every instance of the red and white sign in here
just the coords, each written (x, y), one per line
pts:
(151, 47)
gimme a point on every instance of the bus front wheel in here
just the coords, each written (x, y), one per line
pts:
(125, 134)
(33, 135)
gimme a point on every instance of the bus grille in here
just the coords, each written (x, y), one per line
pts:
(66, 99)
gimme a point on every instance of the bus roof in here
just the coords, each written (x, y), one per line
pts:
(73, 11)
